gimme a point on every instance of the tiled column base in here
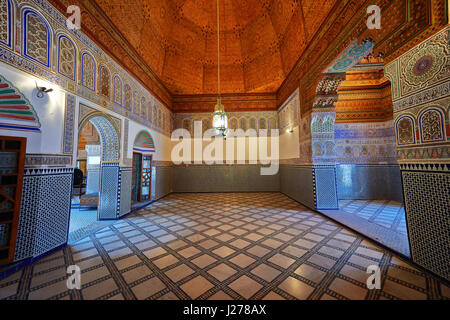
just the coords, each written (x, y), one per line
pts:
(115, 191)
(325, 187)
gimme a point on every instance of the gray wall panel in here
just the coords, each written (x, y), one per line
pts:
(240, 178)
(162, 183)
(369, 182)
(297, 182)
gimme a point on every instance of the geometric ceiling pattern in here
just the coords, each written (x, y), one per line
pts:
(260, 40)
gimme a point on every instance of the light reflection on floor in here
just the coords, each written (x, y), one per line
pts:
(381, 220)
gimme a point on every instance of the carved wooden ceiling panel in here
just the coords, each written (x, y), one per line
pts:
(261, 40)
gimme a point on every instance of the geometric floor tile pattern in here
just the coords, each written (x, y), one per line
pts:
(387, 213)
(84, 222)
(80, 218)
(223, 246)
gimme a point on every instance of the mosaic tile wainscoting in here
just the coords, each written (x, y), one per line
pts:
(92, 183)
(427, 215)
(326, 188)
(45, 211)
(115, 191)
(314, 186)
(420, 88)
(223, 246)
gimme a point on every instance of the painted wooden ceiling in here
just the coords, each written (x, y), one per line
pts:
(261, 40)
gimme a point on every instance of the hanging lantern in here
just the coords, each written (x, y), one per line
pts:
(220, 119)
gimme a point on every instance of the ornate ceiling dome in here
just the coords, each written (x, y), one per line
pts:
(261, 40)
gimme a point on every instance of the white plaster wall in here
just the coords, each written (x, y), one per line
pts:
(49, 109)
(289, 141)
(162, 142)
(252, 145)
(289, 144)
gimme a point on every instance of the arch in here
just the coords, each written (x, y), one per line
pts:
(253, 124)
(6, 22)
(17, 112)
(262, 124)
(136, 103)
(150, 112)
(142, 111)
(405, 130)
(104, 79)
(187, 124)
(108, 135)
(272, 124)
(233, 123)
(243, 124)
(117, 90)
(316, 124)
(67, 57)
(431, 124)
(36, 37)
(163, 120)
(206, 124)
(317, 149)
(351, 56)
(128, 101)
(144, 143)
(159, 118)
(88, 71)
(329, 148)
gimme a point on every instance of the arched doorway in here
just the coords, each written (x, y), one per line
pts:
(353, 134)
(143, 151)
(98, 144)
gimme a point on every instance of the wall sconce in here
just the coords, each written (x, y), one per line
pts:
(42, 90)
(289, 130)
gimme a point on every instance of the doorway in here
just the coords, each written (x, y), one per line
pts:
(363, 151)
(97, 141)
(12, 162)
(142, 177)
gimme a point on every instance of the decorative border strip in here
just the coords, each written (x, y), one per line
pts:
(4, 126)
(47, 171)
(434, 167)
(437, 92)
(42, 160)
(69, 122)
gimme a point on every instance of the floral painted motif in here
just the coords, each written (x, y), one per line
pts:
(88, 67)
(104, 82)
(67, 57)
(5, 22)
(405, 131)
(117, 90)
(37, 38)
(431, 124)
(128, 97)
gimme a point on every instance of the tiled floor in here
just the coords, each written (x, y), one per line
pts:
(382, 220)
(386, 213)
(223, 246)
(80, 218)
(89, 200)
(84, 223)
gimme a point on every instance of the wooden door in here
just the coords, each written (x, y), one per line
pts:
(12, 162)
